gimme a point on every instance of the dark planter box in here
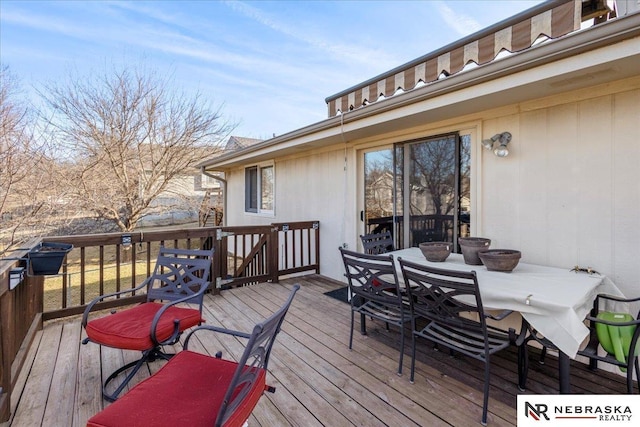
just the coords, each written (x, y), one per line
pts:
(46, 258)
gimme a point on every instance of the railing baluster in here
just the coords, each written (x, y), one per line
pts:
(101, 292)
(133, 266)
(118, 269)
(148, 259)
(82, 275)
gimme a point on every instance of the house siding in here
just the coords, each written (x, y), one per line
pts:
(568, 193)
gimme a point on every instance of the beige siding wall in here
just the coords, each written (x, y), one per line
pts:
(568, 193)
(308, 187)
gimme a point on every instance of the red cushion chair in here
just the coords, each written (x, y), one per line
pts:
(180, 276)
(195, 390)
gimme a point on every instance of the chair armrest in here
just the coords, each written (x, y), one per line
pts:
(215, 329)
(87, 310)
(165, 307)
(597, 307)
(499, 316)
(607, 322)
(616, 298)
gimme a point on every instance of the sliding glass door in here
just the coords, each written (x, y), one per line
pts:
(433, 178)
(377, 215)
(420, 190)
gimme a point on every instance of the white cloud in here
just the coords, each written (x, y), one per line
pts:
(458, 22)
(298, 31)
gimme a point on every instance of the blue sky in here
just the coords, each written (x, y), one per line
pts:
(270, 64)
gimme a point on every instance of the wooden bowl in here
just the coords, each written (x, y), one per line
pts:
(500, 259)
(435, 251)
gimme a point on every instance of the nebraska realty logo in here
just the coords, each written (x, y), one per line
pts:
(578, 410)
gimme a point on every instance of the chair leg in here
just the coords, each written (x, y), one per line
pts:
(363, 324)
(630, 367)
(637, 373)
(485, 404)
(111, 397)
(523, 366)
(351, 332)
(543, 355)
(413, 357)
(401, 348)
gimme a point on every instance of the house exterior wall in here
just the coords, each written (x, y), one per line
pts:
(307, 187)
(568, 194)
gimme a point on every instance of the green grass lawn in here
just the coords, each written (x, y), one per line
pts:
(53, 284)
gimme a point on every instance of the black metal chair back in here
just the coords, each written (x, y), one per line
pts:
(378, 243)
(451, 304)
(180, 273)
(592, 352)
(372, 277)
(631, 358)
(374, 287)
(254, 359)
(440, 296)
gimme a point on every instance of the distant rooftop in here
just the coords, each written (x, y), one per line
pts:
(236, 143)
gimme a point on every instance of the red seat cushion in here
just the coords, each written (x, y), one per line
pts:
(130, 329)
(187, 391)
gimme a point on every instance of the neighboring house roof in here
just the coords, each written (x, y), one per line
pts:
(234, 145)
(238, 143)
(578, 59)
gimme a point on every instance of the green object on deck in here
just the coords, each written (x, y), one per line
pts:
(616, 340)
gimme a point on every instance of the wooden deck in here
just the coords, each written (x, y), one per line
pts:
(319, 381)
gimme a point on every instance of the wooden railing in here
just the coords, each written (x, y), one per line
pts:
(104, 263)
(20, 318)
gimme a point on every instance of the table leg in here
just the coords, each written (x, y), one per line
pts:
(564, 373)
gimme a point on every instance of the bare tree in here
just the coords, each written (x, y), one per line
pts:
(129, 138)
(25, 170)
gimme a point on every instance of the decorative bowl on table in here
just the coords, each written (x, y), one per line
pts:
(435, 251)
(500, 259)
(471, 246)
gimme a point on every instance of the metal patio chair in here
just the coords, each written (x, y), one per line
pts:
(375, 291)
(199, 390)
(627, 359)
(180, 276)
(378, 243)
(440, 297)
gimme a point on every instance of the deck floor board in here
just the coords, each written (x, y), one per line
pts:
(318, 380)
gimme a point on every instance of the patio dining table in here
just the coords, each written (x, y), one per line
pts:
(554, 301)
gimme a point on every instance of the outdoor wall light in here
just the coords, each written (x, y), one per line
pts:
(16, 276)
(500, 142)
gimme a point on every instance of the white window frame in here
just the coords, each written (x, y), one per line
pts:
(258, 210)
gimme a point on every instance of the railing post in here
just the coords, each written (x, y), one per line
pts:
(273, 251)
(218, 261)
(5, 354)
(316, 228)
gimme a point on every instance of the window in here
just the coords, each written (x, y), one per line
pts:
(259, 189)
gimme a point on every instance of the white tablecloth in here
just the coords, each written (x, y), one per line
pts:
(554, 301)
